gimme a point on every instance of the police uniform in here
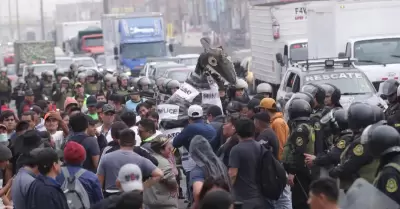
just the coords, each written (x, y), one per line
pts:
(47, 89)
(93, 88)
(388, 179)
(5, 89)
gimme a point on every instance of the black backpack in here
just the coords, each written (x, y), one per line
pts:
(271, 176)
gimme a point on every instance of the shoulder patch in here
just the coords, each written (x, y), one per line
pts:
(358, 150)
(341, 144)
(299, 129)
(317, 126)
(391, 185)
(299, 141)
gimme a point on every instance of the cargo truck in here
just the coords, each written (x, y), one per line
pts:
(33, 52)
(88, 41)
(67, 31)
(130, 39)
(366, 31)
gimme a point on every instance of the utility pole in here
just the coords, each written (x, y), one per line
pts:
(10, 20)
(42, 20)
(18, 26)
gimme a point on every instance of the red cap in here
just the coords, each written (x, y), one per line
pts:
(74, 153)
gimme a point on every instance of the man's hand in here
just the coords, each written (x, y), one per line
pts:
(291, 180)
(309, 159)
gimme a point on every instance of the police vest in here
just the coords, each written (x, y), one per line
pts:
(33, 82)
(288, 149)
(4, 87)
(47, 88)
(92, 89)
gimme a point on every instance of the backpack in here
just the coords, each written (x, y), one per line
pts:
(77, 197)
(271, 176)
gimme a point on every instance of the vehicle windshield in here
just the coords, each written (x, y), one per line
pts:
(299, 52)
(162, 69)
(189, 61)
(85, 62)
(179, 75)
(142, 50)
(349, 83)
(378, 51)
(39, 69)
(63, 63)
(94, 41)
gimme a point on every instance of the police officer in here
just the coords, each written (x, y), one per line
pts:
(391, 94)
(263, 90)
(5, 87)
(48, 85)
(113, 87)
(332, 96)
(300, 142)
(299, 95)
(61, 93)
(173, 86)
(384, 143)
(238, 92)
(123, 84)
(392, 114)
(80, 78)
(337, 121)
(145, 87)
(92, 85)
(164, 95)
(59, 73)
(356, 160)
(234, 108)
(19, 92)
(318, 94)
(33, 83)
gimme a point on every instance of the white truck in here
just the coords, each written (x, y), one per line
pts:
(67, 30)
(277, 32)
(366, 31)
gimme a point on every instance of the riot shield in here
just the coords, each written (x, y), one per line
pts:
(363, 195)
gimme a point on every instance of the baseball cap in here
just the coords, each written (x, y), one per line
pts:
(5, 153)
(91, 101)
(37, 109)
(195, 111)
(262, 116)
(108, 108)
(268, 103)
(90, 120)
(253, 104)
(130, 177)
(77, 85)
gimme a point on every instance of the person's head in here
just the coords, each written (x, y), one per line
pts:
(8, 119)
(244, 128)
(21, 127)
(80, 99)
(74, 110)
(127, 138)
(74, 153)
(91, 130)
(65, 117)
(130, 200)
(91, 104)
(100, 97)
(146, 128)
(129, 118)
(135, 96)
(162, 145)
(129, 178)
(153, 115)
(48, 162)
(217, 199)
(78, 88)
(268, 105)
(69, 103)
(43, 104)
(116, 129)
(78, 123)
(142, 109)
(29, 117)
(99, 109)
(212, 112)
(108, 114)
(37, 113)
(261, 121)
(152, 104)
(29, 96)
(252, 107)
(323, 192)
(228, 129)
(5, 156)
(195, 113)
(30, 160)
(3, 135)
(52, 120)
(211, 183)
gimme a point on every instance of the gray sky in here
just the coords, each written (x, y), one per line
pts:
(30, 9)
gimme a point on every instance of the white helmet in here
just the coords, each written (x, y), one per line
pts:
(241, 84)
(263, 88)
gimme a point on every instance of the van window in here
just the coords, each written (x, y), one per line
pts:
(293, 83)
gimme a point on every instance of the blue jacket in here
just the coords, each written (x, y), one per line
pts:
(191, 130)
(88, 180)
(45, 192)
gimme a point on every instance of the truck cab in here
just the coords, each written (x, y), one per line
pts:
(92, 44)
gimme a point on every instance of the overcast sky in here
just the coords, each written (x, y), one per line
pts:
(30, 9)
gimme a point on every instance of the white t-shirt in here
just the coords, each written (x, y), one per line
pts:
(108, 134)
(137, 137)
(58, 138)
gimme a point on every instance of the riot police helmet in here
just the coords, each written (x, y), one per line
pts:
(113, 80)
(316, 91)
(234, 107)
(173, 84)
(381, 139)
(133, 90)
(135, 82)
(73, 66)
(159, 82)
(48, 74)
(107, 77)
(379, 114)
(81, 75)
(264, 88)
(337, 118)
(165, 83)
(144, 81)
(123, 76)
(20, 80)
(3, 69)
(91, 73)
(389, 90)
(333, 92)
(241, 84)
(298, 108)
(60, 72)
(305, 96)
(64, 80)
(360, 115)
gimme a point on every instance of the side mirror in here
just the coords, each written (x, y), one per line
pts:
(171, 48)
(279, 59)
(341, 55)
(116, 51)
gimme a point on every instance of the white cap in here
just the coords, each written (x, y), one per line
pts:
(130, 177)
(195, 111)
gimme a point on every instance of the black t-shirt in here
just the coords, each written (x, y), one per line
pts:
(269, 139)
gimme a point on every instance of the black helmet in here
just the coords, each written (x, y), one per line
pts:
(306, 96)
(298, 108)
(389, 90)
(143, 82)
(379, 114)
(316, 91)
(381, 139)
(360, 115)
(333, 92)
(234, 107)
(337, 118)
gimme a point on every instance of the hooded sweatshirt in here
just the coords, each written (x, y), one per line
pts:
(40, 126)
(281, 129)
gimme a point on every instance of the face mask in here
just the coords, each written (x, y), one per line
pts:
(3, 138)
